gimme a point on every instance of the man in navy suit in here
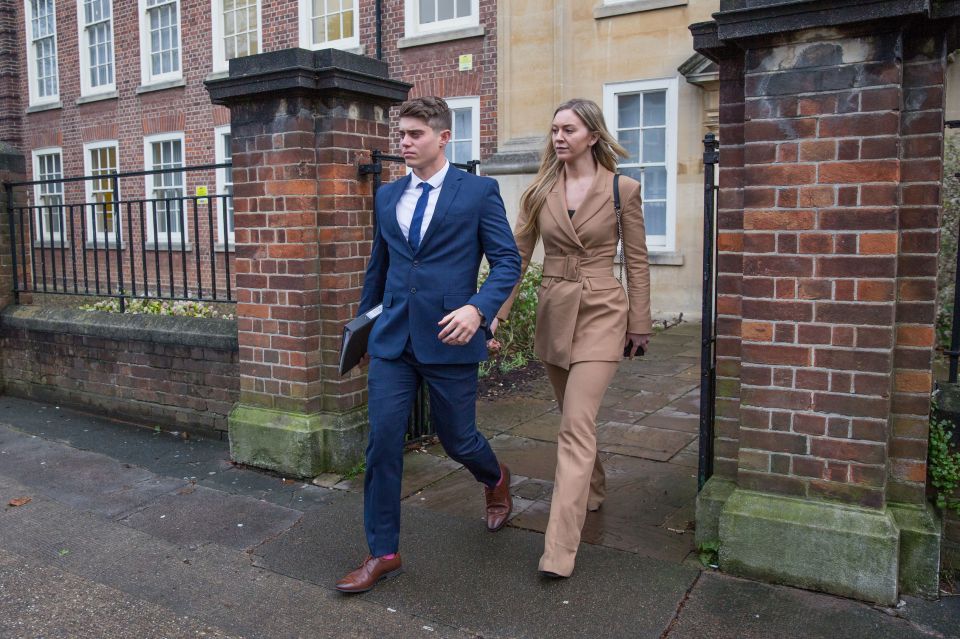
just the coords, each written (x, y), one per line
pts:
(432, 229)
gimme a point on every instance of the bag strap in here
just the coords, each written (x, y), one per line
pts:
(620, 247)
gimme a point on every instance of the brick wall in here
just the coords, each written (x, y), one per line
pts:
(10, 70)
(827, 216)
(177, 373)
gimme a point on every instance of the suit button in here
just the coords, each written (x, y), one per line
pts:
(416, 263)
(413, 290)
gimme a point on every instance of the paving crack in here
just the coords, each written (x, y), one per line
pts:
(683, 602)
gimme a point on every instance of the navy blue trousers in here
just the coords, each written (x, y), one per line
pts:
(392, 386)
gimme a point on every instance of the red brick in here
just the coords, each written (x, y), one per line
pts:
(858, 172)
(772, 441)
(854, 451)
(859, 124)
(813, 334)
(776, 355)
(779, 220)
(817, 150)
(781, 174)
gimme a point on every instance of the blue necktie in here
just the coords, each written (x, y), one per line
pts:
(418, 211)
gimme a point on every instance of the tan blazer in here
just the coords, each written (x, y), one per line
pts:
(582, 313)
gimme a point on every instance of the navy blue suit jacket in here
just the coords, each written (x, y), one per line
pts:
(419, 288)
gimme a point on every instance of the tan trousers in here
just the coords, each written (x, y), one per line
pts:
(580, 482)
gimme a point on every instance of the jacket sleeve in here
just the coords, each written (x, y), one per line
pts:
(637, 263)
(500, 250)
(375, 277)
(525, 244)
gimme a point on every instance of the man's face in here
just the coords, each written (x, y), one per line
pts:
(420, 145)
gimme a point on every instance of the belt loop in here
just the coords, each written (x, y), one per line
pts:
(571, 268)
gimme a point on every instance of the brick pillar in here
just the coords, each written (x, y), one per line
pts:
(12, 169)
(11, 111)
(300, 123)
(828, 226)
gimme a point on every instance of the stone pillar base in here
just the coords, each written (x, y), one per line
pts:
(295, 444)
(920, 538)
(710, 502)
(835, 548)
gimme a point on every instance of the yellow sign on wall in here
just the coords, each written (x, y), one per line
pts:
(466, 62)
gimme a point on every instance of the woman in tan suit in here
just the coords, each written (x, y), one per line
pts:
(584, 318)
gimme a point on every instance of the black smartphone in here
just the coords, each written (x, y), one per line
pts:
(629, 347)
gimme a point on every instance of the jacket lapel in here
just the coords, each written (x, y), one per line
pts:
(600, 193)
(451, 184)
(556, 207)
(388, 218)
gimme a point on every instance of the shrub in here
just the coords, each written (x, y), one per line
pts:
(139, 306)
(516, 334)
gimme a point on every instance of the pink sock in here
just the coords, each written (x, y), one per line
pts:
(390, 556)
(499, 481)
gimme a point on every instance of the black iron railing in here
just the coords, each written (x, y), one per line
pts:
(419, 427)
(708, 340)
(124, 235)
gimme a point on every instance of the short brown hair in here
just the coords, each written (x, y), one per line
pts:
(431, 109)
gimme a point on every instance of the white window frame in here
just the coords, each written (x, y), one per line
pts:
(146, 52)
(37, 188)
(306, 29)
(411, 11)
(88, 214)
(220, 157)
(220, 61)
(86, 89)
(655, 243)
(35, 99)
(473, 103)
(150, 185)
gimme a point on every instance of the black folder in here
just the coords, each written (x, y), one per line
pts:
(355, 336)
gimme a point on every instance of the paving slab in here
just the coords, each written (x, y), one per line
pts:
(462, 575)
(421, 467)
(672, 386)
(668, 418)
(638, 440)
(689, 403)
(544, 428)
(209, 584)
(723, 607)
(494, 417)
(53, 603)
(527, 457)
(645, 402)
(195, 515)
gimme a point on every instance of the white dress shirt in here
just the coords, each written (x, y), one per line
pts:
(408, 201)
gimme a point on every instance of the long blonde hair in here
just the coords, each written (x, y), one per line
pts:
(605, 153)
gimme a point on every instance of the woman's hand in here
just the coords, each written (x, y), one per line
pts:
(635, 342)
(493, 345)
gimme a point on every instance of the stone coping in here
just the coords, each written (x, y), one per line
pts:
(162, 329)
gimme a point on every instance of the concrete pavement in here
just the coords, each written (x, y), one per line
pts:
(131, 532)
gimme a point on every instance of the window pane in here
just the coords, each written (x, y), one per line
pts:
(654, 145)
(462, 151)
(427, 11)
(655, 108)
(630, 140)
(463, 8)
(445, 9)
(654, 183)
(462, 123)
(628, 111)
(655, 218)
(333, 27)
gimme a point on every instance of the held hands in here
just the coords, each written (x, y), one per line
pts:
(494, 344)
(635, 343)
(459, 326)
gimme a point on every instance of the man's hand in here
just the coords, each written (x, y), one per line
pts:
(459, 326)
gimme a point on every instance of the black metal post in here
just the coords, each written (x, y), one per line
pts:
(955, 328)
(117, 228)
(711, 157)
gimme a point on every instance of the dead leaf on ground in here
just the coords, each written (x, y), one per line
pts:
(20, 501)
(186, 490)
(287, 482)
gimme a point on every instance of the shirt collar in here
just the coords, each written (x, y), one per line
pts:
(435, 181)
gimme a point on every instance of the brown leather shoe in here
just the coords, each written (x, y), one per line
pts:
(499, 502)
(372, 570)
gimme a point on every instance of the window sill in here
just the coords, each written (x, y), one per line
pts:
(440, 36)
(49, 106)
(221, 248)
(633, 6)
(163, 246)
(55, 245)
(665, 259)
(97, 97)
(101, 246)
(160, 86)
(217, 75)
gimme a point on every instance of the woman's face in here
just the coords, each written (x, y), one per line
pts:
(571, 138)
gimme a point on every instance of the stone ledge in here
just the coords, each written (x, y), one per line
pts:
(839, 549)
(160, 86)
(162, 329)
(605, 10)
(441, 36)
(920, 537)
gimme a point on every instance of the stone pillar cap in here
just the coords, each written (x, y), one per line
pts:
(301, 71)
